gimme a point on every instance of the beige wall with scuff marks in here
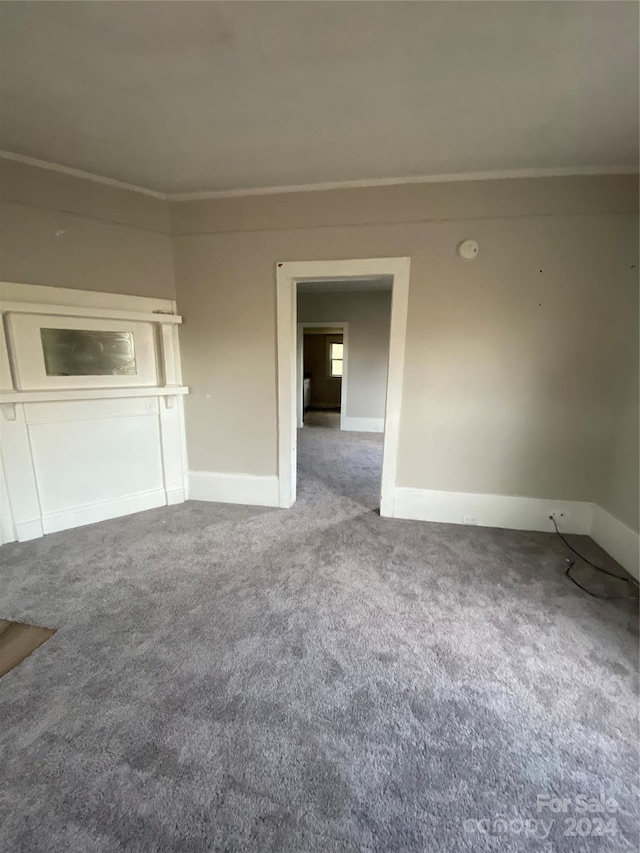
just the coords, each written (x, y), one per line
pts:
(507, 386)
(368, 314)
(64, 231)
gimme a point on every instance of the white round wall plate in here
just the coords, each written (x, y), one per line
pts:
(468, 249)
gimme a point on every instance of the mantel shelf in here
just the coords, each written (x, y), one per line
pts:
(162, 318)
(59, 394)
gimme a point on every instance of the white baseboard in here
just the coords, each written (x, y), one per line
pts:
(362, 424)
(90, 513)
(516, 513)
(245, 489)
(175, 496)
(618, 540)
(26, 530)
(78, 516)
(506, 511)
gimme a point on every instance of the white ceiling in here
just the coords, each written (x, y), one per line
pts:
(191, 96)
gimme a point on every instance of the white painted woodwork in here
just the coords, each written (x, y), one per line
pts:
(100, 459)
(248, 489)
(362, 424)
(67, 311)
(75, 455)
(6, 517)
(288, 274)
(153, 307)
(12, 397)
(617, 539)
(20, 476)
(519, 513)
(27, 357)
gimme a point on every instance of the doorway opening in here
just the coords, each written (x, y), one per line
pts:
(322, 360)
(290, 361)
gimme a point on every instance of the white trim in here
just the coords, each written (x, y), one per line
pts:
(496, 175)
(27, 352)
(27, 530)
(344, 327)
(300, 376)
(519, 513)
(172, 443)
(64, 519)
(22, 303)
(395, 376)
(79, 173)
(19, 291)
(618, 540)
(246, 489)
(7, 527)
(508, 511)
(13, 397)
(287, 276)
(93, 313)
(183, 445)
(362, 424)
(286, 322)
(175, 496)
(20, 475)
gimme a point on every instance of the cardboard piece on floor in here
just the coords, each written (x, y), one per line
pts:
(18, 641)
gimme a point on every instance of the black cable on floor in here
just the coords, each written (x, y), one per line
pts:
(593, 565)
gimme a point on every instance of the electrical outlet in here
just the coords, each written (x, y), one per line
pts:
(557, 514)
(469, 519)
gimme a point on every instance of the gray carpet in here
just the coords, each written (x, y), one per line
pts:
(327, 418)
(321, 679)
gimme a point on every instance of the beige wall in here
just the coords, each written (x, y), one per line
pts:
(369, 316)
(620, 487)
(509, 358)
(114, 240)
(521, 366)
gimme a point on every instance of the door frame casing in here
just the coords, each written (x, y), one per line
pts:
(288, 274)
(344, 327)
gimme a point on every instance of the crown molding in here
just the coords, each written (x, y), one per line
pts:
(501, 174)
(78, 173)
(555, 172)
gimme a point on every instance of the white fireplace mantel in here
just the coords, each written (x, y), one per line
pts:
(80, 449)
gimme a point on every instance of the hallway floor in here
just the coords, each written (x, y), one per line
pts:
(229, 678)
(327, 418)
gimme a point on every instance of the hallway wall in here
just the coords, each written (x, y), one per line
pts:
(368, 313)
